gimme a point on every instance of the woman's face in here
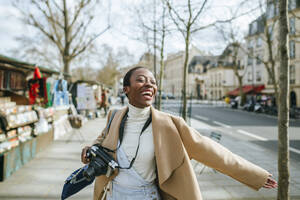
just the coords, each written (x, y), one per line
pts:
(142, 89)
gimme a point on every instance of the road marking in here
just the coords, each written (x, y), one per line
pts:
(294, 150)
(251, 135)
(202, 118)
(221, 124)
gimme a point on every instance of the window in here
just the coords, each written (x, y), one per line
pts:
(258, 59)
(292, 49)
(258, 76)
(270, 32)
(239, 64)
(270, 10)
(249, 76)
(250, 44)
(292, 4)
(258, 42)
(270, 81)
(292, 74)
(292, 26)
(254, 27)
(250, 60)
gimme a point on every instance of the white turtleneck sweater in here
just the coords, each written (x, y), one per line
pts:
(144, 163)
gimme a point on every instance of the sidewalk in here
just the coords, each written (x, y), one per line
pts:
(43, 177)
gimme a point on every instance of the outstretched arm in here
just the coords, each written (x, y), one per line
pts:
(216, 156)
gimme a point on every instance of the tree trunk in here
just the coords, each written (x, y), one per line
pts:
(283, 105)
(242, 94)
(66, 62)
(162, 68)
(66, 53)
(185, 68)
(161, 75)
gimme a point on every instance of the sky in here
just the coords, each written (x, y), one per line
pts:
(121, 33)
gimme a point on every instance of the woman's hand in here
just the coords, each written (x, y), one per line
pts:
(271, 183)
(84, 159)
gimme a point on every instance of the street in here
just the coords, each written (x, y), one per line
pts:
(35, 180)
(257, 128)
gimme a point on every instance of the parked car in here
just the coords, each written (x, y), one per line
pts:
(170, 96)
(164, 96)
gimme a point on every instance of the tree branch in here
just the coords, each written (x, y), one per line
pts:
(41, 28)
(175, 21)
(177, 15)
(199, 12)
(87, 44)
(82, 5)
(78, 30)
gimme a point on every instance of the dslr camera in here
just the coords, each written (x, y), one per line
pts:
(101, 162)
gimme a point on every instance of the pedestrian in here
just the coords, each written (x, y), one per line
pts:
(122, 99)
(104, 101)
(161, 153)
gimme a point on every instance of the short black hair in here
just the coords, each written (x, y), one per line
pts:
(126, 79)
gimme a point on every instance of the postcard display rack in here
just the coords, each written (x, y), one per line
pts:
(20, 136)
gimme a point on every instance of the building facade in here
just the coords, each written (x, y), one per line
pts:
(259, 51)
(173, 79)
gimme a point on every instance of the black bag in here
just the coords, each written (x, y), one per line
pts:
(76, 181)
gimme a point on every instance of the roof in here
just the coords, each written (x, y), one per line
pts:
(26, 66)
(204, 60)
(257, 26)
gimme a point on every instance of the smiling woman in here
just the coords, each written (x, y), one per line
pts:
(153, 150)
(140, 87)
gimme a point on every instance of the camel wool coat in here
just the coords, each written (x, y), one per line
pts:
(175, 143)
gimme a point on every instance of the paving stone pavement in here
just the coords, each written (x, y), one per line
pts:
(43, 177)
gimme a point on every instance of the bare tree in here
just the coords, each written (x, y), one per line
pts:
(66, 26)
(33, 52)
(109, 72)
(232, 53)
(159, 28)
(83, 73)
(111, 67)
(186, 18)
(162, 62)
(283, 114)
(269, 21)
(186, 28)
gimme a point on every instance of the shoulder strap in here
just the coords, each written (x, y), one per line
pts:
(110, 120)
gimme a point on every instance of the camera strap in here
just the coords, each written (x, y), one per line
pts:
(121, 134)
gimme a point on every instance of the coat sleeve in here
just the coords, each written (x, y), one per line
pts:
(214, 155)
(103, 133)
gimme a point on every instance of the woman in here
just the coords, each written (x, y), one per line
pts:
(162, 168)
(104, 101)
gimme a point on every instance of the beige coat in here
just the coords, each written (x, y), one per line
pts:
(175, 144)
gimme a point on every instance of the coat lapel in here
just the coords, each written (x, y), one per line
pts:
(112, 137)
(169, 151)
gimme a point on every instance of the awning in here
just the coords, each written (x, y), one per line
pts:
(247, 89)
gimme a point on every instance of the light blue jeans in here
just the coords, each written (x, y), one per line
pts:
(120, 192)
(129, 185)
